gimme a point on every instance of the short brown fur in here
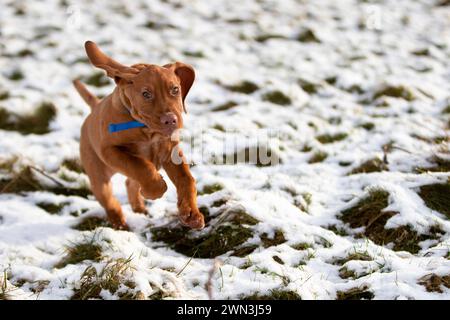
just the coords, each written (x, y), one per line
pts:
(140, 152)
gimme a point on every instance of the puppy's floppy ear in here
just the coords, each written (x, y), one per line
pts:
(113, 68)
(186, 74)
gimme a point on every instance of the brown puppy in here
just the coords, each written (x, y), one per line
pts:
(154, 96)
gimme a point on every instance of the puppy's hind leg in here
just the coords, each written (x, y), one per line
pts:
(100, 176)
(134, 196)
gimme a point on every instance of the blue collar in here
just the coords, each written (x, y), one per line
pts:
(114, 127)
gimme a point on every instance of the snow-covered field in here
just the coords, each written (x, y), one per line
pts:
(336, 83)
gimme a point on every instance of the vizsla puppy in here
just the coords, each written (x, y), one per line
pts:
(130, 132)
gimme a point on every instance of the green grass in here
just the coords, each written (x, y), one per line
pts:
(246, 87)
(225, 106)
(330, 138)
(277, 97)
(372, 165)
(318, 156)
(91, 223)
(26, 181)
(73, 164)
(219, 203)
(110, 278)
(16, 75)
(307, 86)
(421, 52)
(228, 232)
(219, 127)
(437, 197)
(439, 165)
(357, 293)
(306, 148)
(276, 294)
(346, 273)
(81, 251)
(4, 95)
(345, 163)
(307, 36)
(37, 122)
(395, 92)
(52, 208)
(338, 230)
(301, 246)
(368, 213)
(244, 250)
(446, 110)
(210, 188)
(278, 259)
(267, 36)
(194, 54)
(7, 165)
(98, 79)
(369, 126)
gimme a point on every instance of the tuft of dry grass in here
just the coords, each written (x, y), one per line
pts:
(278, 238)
(434, 283)
(111, 278)
(360, 256)
(81, 251)
(357, 293)
(5, 288)
(7, 164)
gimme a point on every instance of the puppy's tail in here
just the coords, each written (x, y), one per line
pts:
(88, 97)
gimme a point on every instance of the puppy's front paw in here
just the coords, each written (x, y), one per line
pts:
(191, 217)
(119, 224)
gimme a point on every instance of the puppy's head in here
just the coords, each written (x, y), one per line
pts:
(154, 95)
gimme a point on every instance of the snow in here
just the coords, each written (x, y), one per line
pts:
(32, 241)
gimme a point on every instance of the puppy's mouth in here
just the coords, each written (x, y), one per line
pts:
(166, 132)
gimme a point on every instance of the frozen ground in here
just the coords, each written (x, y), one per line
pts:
(339, 82)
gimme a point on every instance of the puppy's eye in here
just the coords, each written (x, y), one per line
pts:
(147, 95)
(175, 91)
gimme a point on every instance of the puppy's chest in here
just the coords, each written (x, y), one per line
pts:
(156, 150)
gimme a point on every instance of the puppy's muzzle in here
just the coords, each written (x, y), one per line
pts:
(169, 123)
